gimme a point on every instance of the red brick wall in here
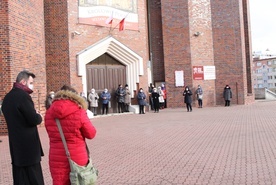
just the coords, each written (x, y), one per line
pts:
(224, 42)
(22, 46)
(57, 45)
(230, 51)
(177, 51)
(137, 41)
(156, 40)
(4, 56)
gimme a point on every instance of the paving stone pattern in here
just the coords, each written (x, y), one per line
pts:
(233, 145)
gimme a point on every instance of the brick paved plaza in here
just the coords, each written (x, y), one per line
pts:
(215, 145)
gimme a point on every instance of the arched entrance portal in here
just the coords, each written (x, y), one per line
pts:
(105, 72)
(109, 57)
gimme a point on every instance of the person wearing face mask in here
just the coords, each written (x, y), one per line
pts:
(127, 98)
(188, 98)
(161, 98)
(227, 95)
(199, 94)
(93, 99)
(120, 93)
(141, 101)
(22, 120)
(49, 100)
(105, 96)
(155, 96)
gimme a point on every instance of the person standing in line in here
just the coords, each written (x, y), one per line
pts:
(199, 95)
(188, 98)
(120, 93)
(22, 120)
(151, 86)
(161, 98)
(49, 99)
(141, 101)
(70, 108)
(105, 96)
(127, 98)
(93, 99)
(227, 95)
(163, 88)
(155, 97)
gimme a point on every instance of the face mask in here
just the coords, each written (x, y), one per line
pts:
(141, 90)
(105, 91)
(187, 89)
(52, 95)
(31, 86)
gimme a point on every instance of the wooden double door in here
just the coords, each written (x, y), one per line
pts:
(105, 72)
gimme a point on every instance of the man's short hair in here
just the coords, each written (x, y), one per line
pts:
(24, 75)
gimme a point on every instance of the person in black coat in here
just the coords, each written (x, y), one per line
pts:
(120, 93)
(188, 98)
(22, 120)
(155, 98)
(227, 95)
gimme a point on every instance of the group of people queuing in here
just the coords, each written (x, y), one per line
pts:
(158, 97)
(123, 97)
(227, 95)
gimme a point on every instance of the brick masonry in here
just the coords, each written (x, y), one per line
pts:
(22, 46)
(40, 40)
(224, 42)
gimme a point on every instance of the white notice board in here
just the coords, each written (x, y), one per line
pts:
(179, 78)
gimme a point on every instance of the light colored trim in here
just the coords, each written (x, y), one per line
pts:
(111, 46)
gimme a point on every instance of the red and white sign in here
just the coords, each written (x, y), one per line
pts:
(204, 72)
(198, 73)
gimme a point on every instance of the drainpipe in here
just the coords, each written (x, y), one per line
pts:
(237, 93)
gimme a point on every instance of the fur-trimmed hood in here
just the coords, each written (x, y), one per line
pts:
(66, 103)
(69, 95)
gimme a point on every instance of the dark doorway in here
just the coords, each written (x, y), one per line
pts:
(105, 72)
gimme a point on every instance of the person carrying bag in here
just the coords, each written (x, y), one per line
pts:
(71, 111)
(79, 175)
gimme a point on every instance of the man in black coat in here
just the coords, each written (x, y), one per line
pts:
(22, 120)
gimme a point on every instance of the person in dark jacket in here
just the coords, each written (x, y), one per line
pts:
(141, 101)
(155, 96)
(120, 93)
(188, 98)
(22, 120)
(227, 95)
(105, 96)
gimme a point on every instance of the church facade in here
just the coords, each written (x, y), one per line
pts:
(103, 43)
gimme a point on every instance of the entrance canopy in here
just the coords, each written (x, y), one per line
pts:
(111, 46)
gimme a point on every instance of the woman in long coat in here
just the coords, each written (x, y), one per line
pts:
(127, 98)
(70, 109)
(227, 95)
(93, 99)
(188, 98)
